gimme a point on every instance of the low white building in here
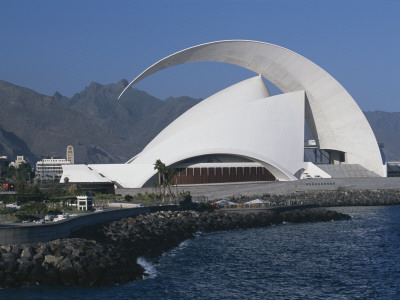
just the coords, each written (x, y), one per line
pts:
(51, 168)
(84, 202)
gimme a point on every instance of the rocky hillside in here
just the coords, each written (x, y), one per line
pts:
(103, 129)
(11, 145)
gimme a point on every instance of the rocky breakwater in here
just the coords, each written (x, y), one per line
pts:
(107, 254)
(338, 197)
(70, 261)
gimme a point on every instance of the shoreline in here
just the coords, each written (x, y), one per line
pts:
(19, 233)
(107, 255)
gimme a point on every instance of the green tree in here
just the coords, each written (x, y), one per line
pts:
(166, 178)
(161, 169)
(128, 198)
(11, 173)
(170, 180)
(74, 190)
(24, 172)
(22, 187)
(57, 191)
(22, 177)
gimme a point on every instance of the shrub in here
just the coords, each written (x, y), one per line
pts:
(33, 208)
(128, 198)
(6, 211)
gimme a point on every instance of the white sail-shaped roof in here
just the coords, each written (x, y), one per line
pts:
(245, 121)
(336, 121)
(242, 120)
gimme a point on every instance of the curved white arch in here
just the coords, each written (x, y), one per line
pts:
(333, 116)
(279, 171)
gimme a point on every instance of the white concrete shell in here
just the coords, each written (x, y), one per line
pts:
(334, 118)
(241, 120)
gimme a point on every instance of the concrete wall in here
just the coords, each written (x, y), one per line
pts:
(29, 233)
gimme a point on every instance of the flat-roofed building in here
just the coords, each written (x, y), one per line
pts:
(51, 168)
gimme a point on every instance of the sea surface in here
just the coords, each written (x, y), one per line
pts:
(358, 259)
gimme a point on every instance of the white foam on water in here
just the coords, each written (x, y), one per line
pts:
(183, 244)
(178, 249)
(150, 271)
(197, 234)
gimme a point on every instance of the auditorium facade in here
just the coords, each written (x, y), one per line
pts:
(245, 134)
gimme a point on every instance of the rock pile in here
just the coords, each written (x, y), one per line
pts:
(72, 261)
(329, 198)
(107, 254)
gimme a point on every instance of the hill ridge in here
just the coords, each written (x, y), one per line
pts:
(101, 128)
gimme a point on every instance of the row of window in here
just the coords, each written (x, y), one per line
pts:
(222, 171)
(320, 183)
(222, 175)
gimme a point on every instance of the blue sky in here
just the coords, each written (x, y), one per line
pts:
(62, 46)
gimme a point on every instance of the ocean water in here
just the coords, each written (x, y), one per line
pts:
(358, 259)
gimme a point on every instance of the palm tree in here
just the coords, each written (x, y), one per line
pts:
(169, 179)
(156, 188)
(161, 169)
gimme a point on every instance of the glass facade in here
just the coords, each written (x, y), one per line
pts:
(222, 175)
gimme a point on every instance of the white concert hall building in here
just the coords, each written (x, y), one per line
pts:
(245, 134)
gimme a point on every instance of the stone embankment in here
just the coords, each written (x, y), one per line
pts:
(107, 254)
(329, 198)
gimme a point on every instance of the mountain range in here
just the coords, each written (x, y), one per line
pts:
(103, 129)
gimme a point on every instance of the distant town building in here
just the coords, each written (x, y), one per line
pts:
(50, 168)
(18, 161)
(70, 154)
